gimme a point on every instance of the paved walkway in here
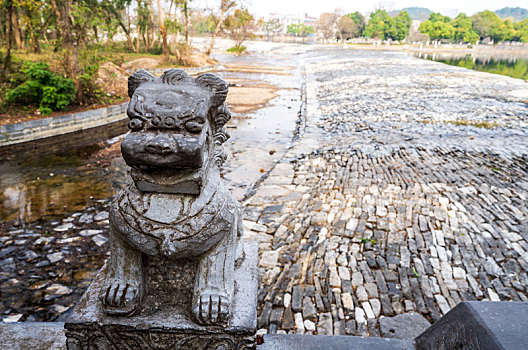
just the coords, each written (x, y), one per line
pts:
(375, 213)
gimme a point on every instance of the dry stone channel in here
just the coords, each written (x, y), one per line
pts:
(376, 224)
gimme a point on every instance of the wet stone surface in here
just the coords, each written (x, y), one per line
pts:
(382, 101)
(378, 221)
(46, 267)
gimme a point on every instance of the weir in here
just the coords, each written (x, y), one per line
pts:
(182, 274)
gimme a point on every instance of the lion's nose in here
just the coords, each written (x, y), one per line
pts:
(159, 145)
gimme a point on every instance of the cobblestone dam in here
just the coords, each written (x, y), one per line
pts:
(406, 194)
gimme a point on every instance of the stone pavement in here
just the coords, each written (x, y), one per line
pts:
(369, 217)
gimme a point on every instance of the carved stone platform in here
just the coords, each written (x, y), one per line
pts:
(163, 322)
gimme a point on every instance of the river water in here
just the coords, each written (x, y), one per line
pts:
(45, 180)
(513, 65)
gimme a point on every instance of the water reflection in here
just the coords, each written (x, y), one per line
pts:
(512, 67)
(44, 179)
(49, 196)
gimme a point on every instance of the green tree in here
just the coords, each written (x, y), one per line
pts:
(438, 27)
(438, 17)
(402, 24)
(522, 31)
(378, 25)
(359, 23)
(350, 26)
(201, 24)
(463, 26)
(300, 29)
(503, 31)
(484, 22)
(382, 26)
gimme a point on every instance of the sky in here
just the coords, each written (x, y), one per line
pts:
(315, 8)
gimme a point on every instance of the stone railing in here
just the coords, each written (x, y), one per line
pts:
(35, 129)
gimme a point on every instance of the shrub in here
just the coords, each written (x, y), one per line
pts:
(51, 92)
(89, 61)
(237, 49)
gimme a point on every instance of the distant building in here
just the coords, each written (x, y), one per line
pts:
(286, 19)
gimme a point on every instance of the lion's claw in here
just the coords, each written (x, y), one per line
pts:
(211, 308)
(120, 298)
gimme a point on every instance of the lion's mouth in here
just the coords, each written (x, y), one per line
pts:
(175, 180)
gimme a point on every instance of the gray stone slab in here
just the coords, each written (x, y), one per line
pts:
(32, 335)
(483, 325)
(404, 326)
(321, 342)
(39, 122)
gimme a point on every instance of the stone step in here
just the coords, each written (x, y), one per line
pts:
(322, 342)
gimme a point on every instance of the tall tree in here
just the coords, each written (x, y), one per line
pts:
(116, 10)
(522, 30)
(346, 28)
(438, 27)
(9, 37)
(484, 21)
(359, 23)
(163, 31)
(464, 32)
(402, 24)
(327, 23)
(377, 25)
(225, 8)
(239, 26)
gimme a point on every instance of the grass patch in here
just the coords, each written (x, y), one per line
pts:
(367, 240)
(415, 273)
(494, 168)
(463, 122)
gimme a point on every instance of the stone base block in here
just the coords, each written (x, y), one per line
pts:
(483, 325)
(32, 335)
(165, 321)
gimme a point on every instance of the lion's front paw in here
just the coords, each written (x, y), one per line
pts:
(211, 307)
(121, 298)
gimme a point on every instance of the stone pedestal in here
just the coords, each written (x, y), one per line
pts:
(165, 321)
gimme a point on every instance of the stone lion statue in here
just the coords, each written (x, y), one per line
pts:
(177, 206)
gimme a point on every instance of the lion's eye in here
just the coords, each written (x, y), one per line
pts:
(193, 126)
(135, 124)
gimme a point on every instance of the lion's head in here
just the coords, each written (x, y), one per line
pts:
(177, 127)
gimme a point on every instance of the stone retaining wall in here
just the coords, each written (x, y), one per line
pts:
(46, 127)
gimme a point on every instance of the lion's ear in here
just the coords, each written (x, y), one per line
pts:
(173, 76)
(216, 85)
(139, 77)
